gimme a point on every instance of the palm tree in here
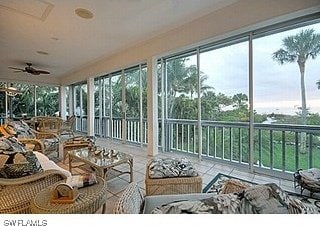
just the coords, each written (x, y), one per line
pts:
(299, 48)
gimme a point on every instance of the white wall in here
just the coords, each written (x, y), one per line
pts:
(238, 17)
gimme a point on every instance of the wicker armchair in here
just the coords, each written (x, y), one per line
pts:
(47, 124)
(44, 142)
(67, 126)
(308, 179)
(16, 194)
(131, 201)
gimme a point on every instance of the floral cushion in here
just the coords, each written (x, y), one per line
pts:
(311, 177)
(270, 198)
(226, 203)
(15, 161)
(11, 144)
(264, 199)
(168, 167)
(15, 164)
(20, 129)
(50, 144)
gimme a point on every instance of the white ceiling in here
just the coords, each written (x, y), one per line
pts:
(28, 26)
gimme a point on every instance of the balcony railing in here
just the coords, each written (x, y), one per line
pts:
(105, 128)
(278, 148)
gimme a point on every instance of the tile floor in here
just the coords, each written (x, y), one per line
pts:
(208, 170)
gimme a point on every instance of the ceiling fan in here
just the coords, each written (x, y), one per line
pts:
(30, 70)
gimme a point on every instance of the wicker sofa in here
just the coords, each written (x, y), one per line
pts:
(67, 126)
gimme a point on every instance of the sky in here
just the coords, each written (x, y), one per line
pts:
(276, 87)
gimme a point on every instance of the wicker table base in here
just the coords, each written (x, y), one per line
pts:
(89, 201)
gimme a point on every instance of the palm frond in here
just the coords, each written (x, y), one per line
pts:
(282, 56)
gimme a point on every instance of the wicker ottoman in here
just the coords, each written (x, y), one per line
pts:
(173, 185)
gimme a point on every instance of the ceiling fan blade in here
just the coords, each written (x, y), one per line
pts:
(42, 72)
(18, 71)
(15, 68)
(34, 72)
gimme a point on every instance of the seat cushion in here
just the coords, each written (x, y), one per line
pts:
(168, 167)
(152, 202)
(219, 204)
(311, 175)
(262, 199)
(50, 144)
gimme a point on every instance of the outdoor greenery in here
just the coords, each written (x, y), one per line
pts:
(23, 104)
(226, 142)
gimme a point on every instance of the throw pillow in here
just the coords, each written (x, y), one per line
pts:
(233, 186)
(11, 144)
(18, 164)
(19, 128)
(270, 199)
(219, 204)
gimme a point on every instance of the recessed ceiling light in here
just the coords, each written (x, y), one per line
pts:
(43, 52)
(84, 13)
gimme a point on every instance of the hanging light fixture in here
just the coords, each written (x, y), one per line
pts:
(10, 91)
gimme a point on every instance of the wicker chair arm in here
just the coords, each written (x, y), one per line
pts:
(38, 144)
(31, 178)
(46, 135)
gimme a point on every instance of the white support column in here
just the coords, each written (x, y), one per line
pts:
(251, 110)
(35, 101)
(199, 107)
(7, 102)
(63, 102)
(71, 101)
(124, 110)
(152, 106)
(90, 106)
(140, 107)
